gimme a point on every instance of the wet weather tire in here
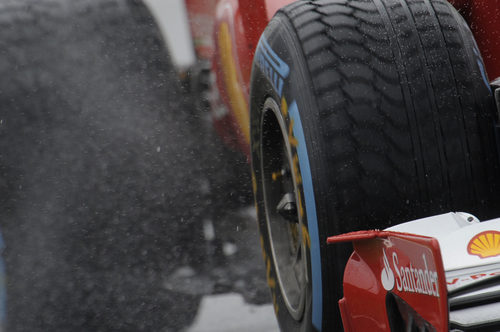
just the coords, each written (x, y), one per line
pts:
(98, 189)
(364, 114)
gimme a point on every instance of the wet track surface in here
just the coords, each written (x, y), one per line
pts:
(228, 313)
(237, 297)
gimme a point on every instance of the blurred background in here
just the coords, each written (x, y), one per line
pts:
(172, 20)
(120, 208)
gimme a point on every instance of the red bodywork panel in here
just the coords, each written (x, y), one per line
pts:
(387, 269)
(245, 21)
(231, 57)
(483, 17)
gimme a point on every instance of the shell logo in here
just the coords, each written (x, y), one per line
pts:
(485, 244)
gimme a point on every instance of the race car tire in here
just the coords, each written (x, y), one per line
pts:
(364, 114)
(99, 191)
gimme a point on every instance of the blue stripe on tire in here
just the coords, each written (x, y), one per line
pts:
(312, 219)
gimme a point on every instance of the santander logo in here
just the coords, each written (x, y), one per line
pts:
(408, 278)
(387, 276)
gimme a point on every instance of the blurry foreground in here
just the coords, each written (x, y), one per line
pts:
(119, 208)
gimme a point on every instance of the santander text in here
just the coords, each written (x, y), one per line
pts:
(415, 280)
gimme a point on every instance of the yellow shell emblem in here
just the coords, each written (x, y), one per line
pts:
(485, 244)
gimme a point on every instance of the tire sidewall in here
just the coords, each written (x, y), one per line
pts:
(282, 87)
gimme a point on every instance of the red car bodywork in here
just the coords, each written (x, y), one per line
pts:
(226, 33)
(418, 282)
(229, 44)
(483, 17)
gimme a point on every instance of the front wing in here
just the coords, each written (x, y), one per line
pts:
(435, 274)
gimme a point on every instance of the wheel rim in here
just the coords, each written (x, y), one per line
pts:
(283, 222)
